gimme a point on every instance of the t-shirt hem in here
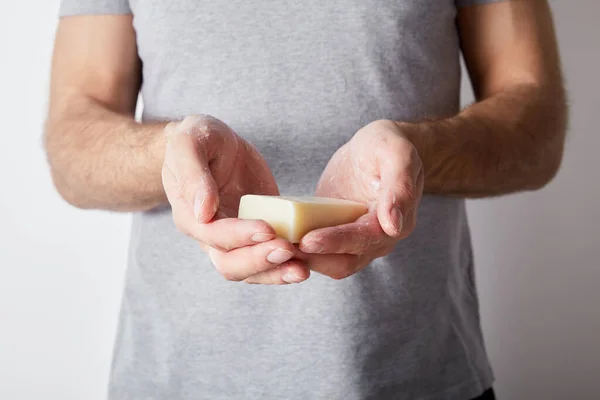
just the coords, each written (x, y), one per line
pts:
(462, 391)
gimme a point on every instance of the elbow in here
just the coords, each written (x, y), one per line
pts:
(64, 177)
(68, 190)
(546, 173)
(548, 157)
(547, 164)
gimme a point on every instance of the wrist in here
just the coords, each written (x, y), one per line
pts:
(153, 147)
(420, 134)
(438, 146)
(157, 142)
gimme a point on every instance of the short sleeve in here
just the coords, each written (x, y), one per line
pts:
(466, 3)
(94, 7)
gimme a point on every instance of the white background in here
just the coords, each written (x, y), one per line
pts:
(61, 270)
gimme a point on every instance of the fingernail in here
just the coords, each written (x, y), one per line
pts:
(198, 202)
(397, 219)
(279, 256)
(313, 248)
(288, 277)
(262, 237)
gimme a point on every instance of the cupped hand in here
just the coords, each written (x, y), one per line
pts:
(207, 168)
(379, 167)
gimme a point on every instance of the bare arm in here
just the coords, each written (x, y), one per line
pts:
(100, 157)
(512, 139)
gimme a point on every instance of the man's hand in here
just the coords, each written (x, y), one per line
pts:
(378, 167)
(207, 168)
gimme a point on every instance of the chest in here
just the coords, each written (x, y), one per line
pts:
(287, 26)
(288, 67)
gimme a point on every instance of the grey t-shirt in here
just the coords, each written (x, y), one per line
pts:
(298, 79)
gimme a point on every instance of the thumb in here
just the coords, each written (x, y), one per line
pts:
(188, 160)
(396, 199)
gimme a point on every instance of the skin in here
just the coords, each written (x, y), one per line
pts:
(510, 140)
(389, 178)
(207, 168)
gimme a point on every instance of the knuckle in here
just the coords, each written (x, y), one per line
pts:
(230, 277)
(257, 268)
(224, 270)
(409, 151)
(190, 119)
(261, 279)
(171, 128)
(405, 152)
(381, 125)
(188, 124)
(253, 281)
(414, 157)
(231, 268)
(258, 262)
(262, 226)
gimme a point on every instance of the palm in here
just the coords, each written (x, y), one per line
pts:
(378, 167)
(240, 170)
(207, 168)
(351, 174)
(235, 165)
(224, 165)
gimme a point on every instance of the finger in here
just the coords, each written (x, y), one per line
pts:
(410, 219)
(399, 190)
(293, 271)
(188, 162)
(232, 233)
(359, 237)
(335, 266)
(239, 264)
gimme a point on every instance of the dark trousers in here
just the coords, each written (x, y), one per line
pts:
(487, 395)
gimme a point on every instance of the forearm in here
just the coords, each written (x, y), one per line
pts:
(104, 160)
(509, 142)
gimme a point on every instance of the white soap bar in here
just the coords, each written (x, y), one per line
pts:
(293, 217)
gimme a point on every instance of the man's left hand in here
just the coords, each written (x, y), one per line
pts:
(379, 167)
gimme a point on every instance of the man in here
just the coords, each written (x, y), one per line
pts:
(359, 99)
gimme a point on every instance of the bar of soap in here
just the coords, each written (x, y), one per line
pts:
(293, 217)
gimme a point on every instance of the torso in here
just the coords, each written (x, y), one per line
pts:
(298, 79)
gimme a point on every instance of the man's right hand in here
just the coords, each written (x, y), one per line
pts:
(207, 169)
